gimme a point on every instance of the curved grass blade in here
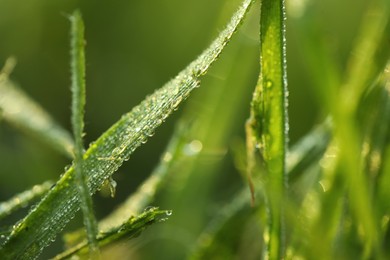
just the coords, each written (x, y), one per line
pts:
(130, 228)
(147, 190)
(107, 154)
(267, 127)
(24, 198)
(21, 111)
(145, 194)
(78, 105)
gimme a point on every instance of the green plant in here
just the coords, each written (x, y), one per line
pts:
(324, 197)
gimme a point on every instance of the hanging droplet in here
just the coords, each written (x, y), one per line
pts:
(112, 184)
(176, 103)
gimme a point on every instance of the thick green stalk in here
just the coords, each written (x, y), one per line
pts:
(268, 124)
(78, 104)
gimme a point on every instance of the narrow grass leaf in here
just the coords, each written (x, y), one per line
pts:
(18, 109)
(107, 154)
(362, 71)
(375, 124)
(129, 229)
(78, 105)
(146, 192)
(306, 153)
(267, 127)
(377, 164)
(23, 199)
(144, 195)
(212, 243)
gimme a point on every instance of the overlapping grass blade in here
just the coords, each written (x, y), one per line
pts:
(78, 106)
(306, 153)
(147, 190)
(131, 228)
(140, 199)
(106, 155)
(362, 72)
(378, 154)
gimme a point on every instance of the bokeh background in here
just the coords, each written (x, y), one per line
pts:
(133, 48)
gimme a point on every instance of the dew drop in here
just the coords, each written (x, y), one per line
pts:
(116, 151)
(149, 208)
(112, 184)
(150, 132)
(144, 139)
(176, 103)
(268, 84)
(66, 168)
(168, 212)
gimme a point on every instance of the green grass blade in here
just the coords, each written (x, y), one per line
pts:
(374, 112)
(267, 127)
(212, 243)
(18, 109)
(107, 154)
(23, 199)
(140, 199)
(361, 73)
(131, 228)
(308, 150)
(78, 105)
(146, 192)
(319, 62)
(302, 156)
(378, 155)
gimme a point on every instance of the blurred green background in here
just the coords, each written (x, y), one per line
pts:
(133, 48)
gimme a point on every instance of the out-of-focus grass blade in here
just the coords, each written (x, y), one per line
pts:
(21, 111)
(308, 150)
(24, 198)
(362, 71)
(78, 106)
(213, 241)
(374, 114)
(377, 158)
(131, 228)
(302, 156)
(267, 127)
(320, 64)
(107, 154)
